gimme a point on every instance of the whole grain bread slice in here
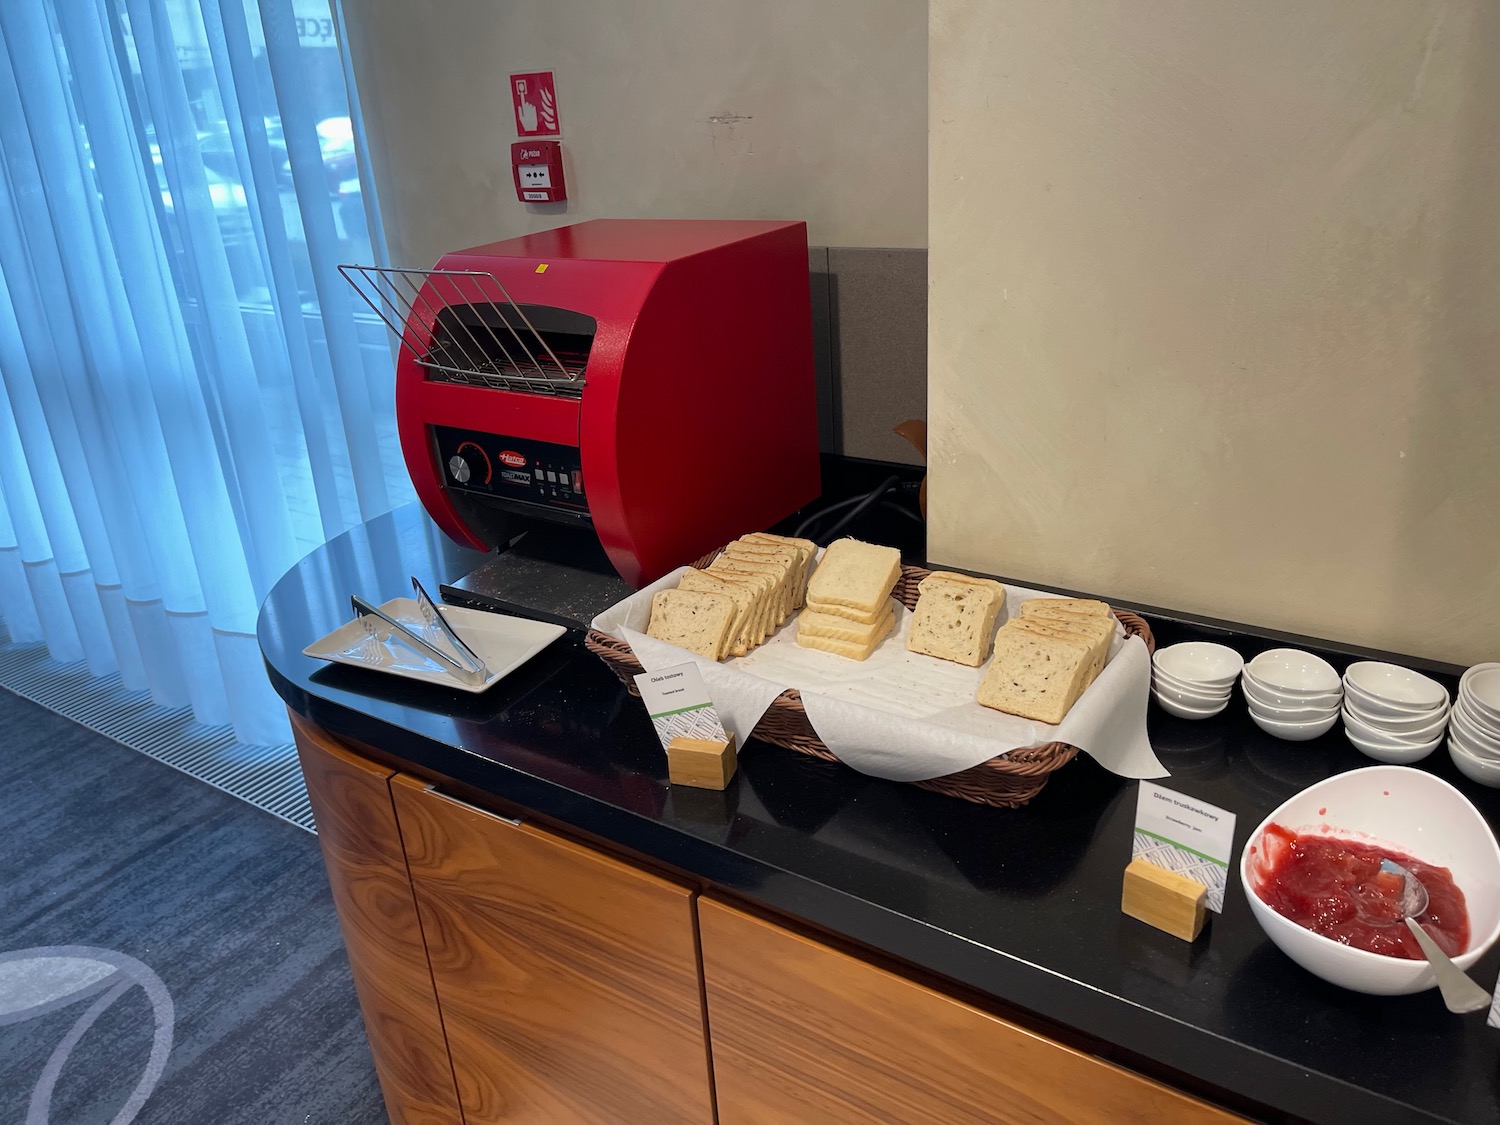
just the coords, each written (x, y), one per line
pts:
(691, 619)
(1034, 676)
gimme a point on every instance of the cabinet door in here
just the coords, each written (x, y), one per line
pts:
(351, 800)
(568, 980)
(802, 1032)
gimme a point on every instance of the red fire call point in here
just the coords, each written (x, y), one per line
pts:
(538, 169)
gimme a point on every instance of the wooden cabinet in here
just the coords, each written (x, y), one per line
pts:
(362, 850)
(568, 980)
(805, 1033)
(510, 975)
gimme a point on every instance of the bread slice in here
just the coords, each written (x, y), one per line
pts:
(744, 604)
(778, 572)
(1070, 605)
(807, 554)
(862, 616)
(761, 587)
(855, 574)
(1036, 677)
(955, 618)
(845, 649)
(690, 619)
(1042, 626)
(841, 628)
(786, 558)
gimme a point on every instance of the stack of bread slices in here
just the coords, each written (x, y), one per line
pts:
(1047, 656)
(849, 610)
(751, 588)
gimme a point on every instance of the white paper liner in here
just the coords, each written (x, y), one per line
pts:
(901, 715)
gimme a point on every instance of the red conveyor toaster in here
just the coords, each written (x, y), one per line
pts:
(648, 380)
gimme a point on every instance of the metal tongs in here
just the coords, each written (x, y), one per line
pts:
(461, 662)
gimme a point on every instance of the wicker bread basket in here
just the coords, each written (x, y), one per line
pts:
(1006, 781)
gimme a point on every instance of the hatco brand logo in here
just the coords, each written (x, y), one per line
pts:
(513, 459)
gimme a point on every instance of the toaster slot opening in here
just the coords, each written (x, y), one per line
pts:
(503, 346)
(462, 326)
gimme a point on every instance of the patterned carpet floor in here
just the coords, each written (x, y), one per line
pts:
(168, 954)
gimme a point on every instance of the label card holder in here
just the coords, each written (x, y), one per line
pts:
(1186, 836)
(679, 705)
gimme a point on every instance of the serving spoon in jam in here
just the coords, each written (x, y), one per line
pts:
(1460, 993)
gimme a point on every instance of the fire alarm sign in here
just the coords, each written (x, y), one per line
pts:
(534, 98)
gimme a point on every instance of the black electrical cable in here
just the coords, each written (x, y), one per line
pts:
(860, 504)
(903, 510)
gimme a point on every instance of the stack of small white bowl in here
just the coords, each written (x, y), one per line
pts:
(1193, 680)
(1292, 694)
(1391, 713)
(1474, 729)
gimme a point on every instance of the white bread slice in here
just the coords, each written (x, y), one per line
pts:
(955, 618)
(862, 616)
(742, 596)
(1036, 677)
(1071, 605)
(855, 574)
(692, 620)
(845, 648)
(841, 628)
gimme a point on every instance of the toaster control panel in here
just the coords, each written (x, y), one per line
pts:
(517, 469)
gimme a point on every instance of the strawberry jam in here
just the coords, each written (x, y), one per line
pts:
(1335, 888)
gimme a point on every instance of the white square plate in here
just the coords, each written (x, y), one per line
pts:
(504, 643)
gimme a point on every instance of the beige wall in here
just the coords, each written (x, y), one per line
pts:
(1215, 308)
(831, 97)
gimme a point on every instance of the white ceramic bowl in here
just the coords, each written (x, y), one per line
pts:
(1414, 812)
(1465, 707)
(1402, 754)
(1172, 707)
(1290, 714)
(1290, 671)
(1456, 734)
(1476, 736)
(1196, 694)
(1200, 662)
(1294, 731)
(1395, 684)
(1377, 706)
(1427, 724)
(1392, 740)
(1481, 688)
(1271, 698)
(1486, 771)
(1433, 728)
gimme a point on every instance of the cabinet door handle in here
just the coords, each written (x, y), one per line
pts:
(513, 821)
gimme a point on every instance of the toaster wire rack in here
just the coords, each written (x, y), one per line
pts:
(463, 326)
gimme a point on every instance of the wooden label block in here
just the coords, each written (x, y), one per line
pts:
(1164, 899)
(700, 762)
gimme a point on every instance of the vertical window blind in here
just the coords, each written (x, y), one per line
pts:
(192, 399)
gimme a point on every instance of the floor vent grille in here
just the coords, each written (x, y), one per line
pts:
(267, 777)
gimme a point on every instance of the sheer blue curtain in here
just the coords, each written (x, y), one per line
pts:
(192, 400)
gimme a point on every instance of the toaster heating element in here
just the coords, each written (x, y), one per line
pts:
(649, 382)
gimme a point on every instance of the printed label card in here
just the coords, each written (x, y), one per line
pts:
(1185, 835)
(679, 704)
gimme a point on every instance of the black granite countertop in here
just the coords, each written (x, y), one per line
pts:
(1020, 904)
